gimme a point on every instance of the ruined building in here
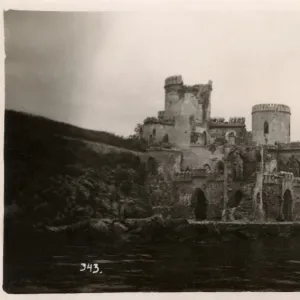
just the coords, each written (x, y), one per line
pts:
(216, 168)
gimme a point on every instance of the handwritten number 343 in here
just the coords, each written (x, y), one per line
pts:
(93, 268)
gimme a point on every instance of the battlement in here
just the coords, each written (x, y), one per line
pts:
(271, 179)
(183, 176)
(200, 172)
(288, 146)
(190, 174)
(172, 80)
(286, 175)
(270, 147)
(271, 107)
(232, 122)
(277, 178)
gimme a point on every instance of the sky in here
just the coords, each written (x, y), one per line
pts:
(106, 70)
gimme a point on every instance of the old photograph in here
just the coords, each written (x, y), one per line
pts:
(151, 152)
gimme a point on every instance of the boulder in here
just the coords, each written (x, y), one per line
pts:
(12, 210)
(119, 229)
(99, 226)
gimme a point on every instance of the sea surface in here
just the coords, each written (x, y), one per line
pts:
(271, 264)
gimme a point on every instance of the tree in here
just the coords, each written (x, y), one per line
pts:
(138, 130)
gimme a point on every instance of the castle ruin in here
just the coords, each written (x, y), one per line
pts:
(218, 170)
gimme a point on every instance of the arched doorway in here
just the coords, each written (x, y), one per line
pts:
(235, 199)
(199, 203)
(220, 167)
(152, 165)
(165, 138)
(287, 205)
(238, 196)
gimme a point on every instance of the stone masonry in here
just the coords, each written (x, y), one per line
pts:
(218, 169)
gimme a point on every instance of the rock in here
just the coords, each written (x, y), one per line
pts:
(107, 221)
(156, 219)
(12, 211)
(115, 209)
(80, 225)
(119, 229)
(99, 226)
(132, 223)
(41, 206)
(173, 223)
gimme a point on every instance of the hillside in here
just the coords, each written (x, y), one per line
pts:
(52, 177)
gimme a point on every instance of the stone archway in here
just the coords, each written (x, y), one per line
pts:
(287, 205)
(200, 203)
(237, 198)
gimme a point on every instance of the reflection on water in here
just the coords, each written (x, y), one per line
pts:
(269, 265)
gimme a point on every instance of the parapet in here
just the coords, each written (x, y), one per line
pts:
(277, 178)
(286, 175)
(190, 174)
(183, 176)
(271, 179)
(172, 80)
(288, 146)
(271, 107)
(233, 121)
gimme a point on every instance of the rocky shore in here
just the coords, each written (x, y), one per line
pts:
(158, 229)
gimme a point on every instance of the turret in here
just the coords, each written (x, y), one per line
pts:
(173, 85)
(271, 123)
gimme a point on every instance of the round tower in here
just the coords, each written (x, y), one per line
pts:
(173, 85)
(271, 123)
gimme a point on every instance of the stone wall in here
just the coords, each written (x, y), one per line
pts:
(169, 160)
(183, 131)
(215, 190)
(272, 201)
(232, 133)
(155, 133)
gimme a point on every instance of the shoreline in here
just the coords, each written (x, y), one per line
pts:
(157, 229)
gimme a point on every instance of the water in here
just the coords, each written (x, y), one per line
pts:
(263, 265)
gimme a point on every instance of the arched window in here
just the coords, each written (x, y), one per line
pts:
(154, 132)
(150, 139)
(266, 127)
(166, 138)
(258, 198)
(205, 138)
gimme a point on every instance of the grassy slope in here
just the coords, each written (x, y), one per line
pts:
(58, 181)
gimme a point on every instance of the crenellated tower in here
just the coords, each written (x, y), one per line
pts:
(271, 123)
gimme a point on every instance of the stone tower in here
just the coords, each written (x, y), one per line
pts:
(173, 86)
(271, 123)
